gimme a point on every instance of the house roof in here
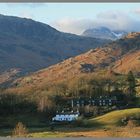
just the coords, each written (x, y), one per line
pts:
(67, 113)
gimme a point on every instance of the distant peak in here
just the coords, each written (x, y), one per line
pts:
(103, 28)
(104, 33)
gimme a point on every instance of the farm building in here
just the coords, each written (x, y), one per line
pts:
(100, 101)
(76, 103)
(66, 116)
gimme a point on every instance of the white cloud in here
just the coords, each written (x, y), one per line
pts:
(73, 25)
(136, 11)
(27, 5)
(115, 20)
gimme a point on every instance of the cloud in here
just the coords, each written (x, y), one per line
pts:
(115, 20)
(136, 11)
(72, 25)
(27, 5)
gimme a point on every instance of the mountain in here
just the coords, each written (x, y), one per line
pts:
(130, 61)
(29, 45)
(119, 56)
(104, 33)
(8, 75)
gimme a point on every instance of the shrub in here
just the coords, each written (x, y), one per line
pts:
(132, 123)
(123, 121)
(20, 130)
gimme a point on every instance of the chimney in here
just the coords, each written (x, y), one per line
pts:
(72, 103)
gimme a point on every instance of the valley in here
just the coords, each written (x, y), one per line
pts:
(45, 72)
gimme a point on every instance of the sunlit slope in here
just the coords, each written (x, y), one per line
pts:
(113, 118)
(119, 56)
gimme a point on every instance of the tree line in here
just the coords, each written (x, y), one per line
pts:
(48, 100)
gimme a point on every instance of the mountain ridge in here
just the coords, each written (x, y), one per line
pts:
(31, 45)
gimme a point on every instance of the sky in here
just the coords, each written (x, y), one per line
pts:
(77, 17)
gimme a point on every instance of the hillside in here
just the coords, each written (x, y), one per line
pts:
(29, 45)
(130, 61)
(85, 63)
(113, 118)
(106, 58)
(8, 75)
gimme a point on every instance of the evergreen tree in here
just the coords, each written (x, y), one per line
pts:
(131, 83)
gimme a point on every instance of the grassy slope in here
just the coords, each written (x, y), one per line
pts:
(109, 120)
(96, 125)
(112, 119)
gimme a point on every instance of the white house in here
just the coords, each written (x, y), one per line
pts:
(66, 116)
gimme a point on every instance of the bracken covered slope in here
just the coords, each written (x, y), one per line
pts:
(119, 56)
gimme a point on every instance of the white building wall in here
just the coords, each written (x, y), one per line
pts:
(66, 117)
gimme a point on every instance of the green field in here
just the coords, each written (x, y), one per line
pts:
(108, 124)
(113, 118)
(108, 121)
